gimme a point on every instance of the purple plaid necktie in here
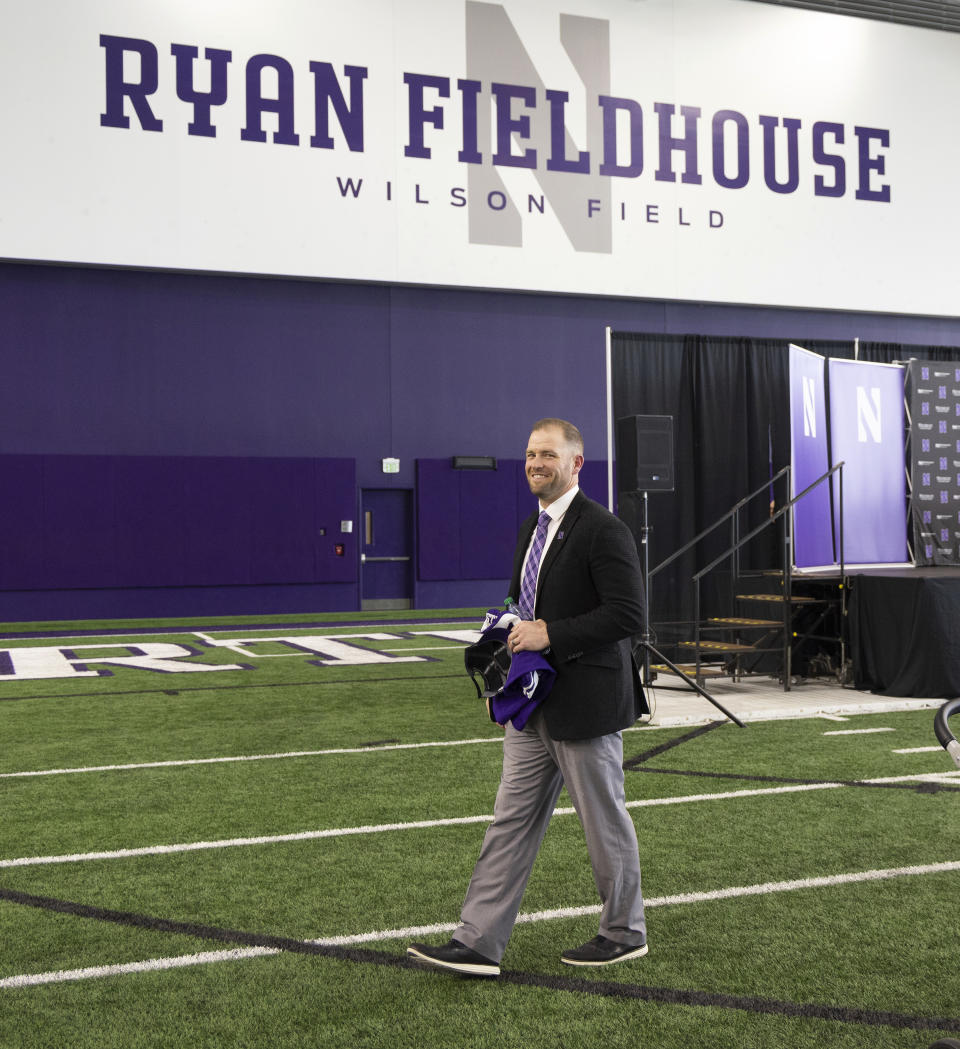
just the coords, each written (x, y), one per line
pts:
(528, 588)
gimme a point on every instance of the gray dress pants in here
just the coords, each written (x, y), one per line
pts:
(535, 768)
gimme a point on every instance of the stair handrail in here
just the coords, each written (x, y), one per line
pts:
(787, 559)
(776, 517)
(721, 520)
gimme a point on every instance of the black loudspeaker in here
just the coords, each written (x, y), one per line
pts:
(645, 453)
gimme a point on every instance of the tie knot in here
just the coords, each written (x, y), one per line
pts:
(543, 520)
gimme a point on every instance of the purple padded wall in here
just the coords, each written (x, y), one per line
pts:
(21, 521)
(438, 520)
(215, 522)
(285, 517)
(79, 526)
(488, 531)
(122, 362)
(150, 505)
(106, 522)
(467, 520)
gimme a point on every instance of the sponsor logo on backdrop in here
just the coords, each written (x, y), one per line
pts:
(499, 114)
(928, 394)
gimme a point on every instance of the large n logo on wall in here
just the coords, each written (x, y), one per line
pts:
(571, 186)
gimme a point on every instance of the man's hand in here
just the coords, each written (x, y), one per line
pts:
(490, 715)
(528, 636)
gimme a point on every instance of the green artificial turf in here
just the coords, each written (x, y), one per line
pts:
(378, 765)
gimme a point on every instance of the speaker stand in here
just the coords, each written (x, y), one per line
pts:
(648, 648)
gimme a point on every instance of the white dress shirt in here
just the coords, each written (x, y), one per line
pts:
(556, 510)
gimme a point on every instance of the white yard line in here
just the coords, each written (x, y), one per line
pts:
(153, 965)
(182, 762)
(734, 892)
(382, 935)
(425, 648)
(857, 731)
(454, 821)
(252, 757)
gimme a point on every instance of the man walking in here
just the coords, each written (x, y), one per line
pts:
(581, 598)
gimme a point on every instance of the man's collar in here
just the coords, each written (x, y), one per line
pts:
(560, 506)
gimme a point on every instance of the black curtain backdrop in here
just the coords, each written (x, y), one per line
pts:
(903, 636)
(729, 399)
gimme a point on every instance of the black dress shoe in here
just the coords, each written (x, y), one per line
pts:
(454, 956)
(601, 951)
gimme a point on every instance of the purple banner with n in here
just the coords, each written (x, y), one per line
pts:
(812, 533)
(867, 435)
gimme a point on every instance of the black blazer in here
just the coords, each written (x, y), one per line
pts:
(590, 594)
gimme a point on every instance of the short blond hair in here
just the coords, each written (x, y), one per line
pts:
(571, 434)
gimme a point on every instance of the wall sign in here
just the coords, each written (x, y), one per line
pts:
(711, 150)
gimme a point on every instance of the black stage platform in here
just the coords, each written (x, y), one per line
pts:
(904, 630)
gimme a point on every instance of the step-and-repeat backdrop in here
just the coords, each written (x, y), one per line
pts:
(933, 397)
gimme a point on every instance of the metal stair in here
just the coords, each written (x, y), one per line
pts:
(727, 656)
(739, 645)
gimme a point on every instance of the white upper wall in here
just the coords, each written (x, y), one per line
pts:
(706, 150)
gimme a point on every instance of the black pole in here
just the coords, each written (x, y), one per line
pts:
(645, 562)
(648, 648)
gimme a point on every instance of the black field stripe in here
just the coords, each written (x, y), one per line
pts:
(708, 999)
(570, 985)
(195, 930)
(917, 788)
(701, 730)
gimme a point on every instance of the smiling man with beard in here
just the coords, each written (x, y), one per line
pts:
(581, 599)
